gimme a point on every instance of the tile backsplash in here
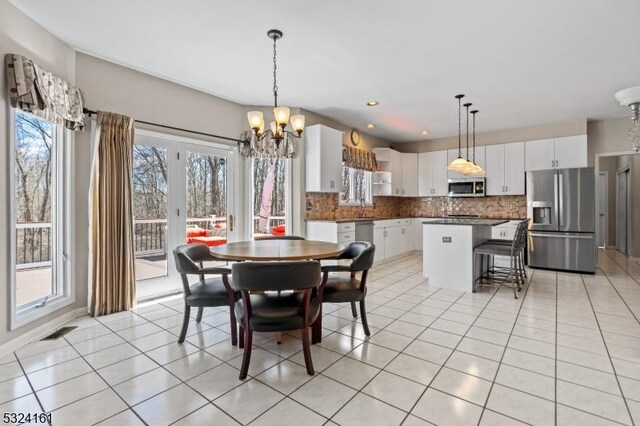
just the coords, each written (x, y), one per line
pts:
(324, 206)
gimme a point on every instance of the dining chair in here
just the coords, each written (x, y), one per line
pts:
(206, 292)
(337, 287)
(267, 305)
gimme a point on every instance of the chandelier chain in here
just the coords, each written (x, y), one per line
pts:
(459, 127)
(275, 66)
(474, 137)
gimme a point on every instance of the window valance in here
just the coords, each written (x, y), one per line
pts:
(359, 159)
(33, 89)
(265, 148)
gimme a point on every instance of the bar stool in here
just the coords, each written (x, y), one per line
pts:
(520, 233)
(514, 250)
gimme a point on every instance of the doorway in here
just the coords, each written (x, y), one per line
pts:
(603, 208)
(623, 209)
(183, 193)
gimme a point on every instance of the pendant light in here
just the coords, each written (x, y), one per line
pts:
(477, 169)
(631, 97)
(468, 167)
(276, 132)
(459, 163)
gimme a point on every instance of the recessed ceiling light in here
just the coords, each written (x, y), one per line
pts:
(370, 126)
(424, 132)
(373, 103)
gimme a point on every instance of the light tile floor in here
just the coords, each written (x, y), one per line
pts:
(566, 352)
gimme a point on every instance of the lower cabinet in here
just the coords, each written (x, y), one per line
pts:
(392, 238)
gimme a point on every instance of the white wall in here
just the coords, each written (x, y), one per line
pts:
(19, 34)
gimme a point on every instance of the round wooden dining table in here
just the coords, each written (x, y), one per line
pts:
(277, 250)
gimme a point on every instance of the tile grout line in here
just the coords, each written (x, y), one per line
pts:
(33, 391)
(453, 350)
(504, 351)
(608, 353)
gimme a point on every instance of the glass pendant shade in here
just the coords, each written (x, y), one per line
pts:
(297, 122)
(256, 119)
(281, 114)
(457, 165)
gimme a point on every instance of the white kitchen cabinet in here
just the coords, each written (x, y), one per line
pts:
(391, 161)
(505, 169)
(323, 159)
(409, 175)
(571, 151)
(514, 173)
(432, 174)
(378, 241)
(558, 153)
(393, 237)
(452, 154)
(495, 169)
(540, 154)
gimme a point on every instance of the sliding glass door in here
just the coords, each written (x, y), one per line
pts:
(183, 193)
(270, 197)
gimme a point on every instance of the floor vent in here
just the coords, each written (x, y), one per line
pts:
(59, 333)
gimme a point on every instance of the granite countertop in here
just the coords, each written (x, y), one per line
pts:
(359, 219)
(467, 222)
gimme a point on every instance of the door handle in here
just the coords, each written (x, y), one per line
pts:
(562, 236)
(231, 222)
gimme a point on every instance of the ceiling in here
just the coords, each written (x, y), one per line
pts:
(521, 63)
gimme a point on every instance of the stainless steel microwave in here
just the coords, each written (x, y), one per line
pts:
(467, 187)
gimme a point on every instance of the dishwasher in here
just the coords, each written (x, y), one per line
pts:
(364, 231)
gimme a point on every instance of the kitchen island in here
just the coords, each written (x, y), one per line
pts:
(448, 250)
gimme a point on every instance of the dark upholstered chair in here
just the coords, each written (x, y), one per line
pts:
(207, 292)
(338, 287)
(278, 237)
(271, 308)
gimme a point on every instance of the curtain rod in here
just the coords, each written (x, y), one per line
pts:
(91, 112)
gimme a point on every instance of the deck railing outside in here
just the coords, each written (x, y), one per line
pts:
(34, 248)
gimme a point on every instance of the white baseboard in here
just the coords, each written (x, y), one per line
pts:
(39, 332)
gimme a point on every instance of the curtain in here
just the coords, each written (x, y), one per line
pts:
(33, 89)
(111, 230)
(266, 148)
(359, 159)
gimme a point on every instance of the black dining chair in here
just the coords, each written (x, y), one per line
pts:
(267, 305)
(206, 292)
(337, 287)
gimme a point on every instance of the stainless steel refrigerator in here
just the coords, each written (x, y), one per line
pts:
(562, 207)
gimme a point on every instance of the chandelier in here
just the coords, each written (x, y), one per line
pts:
(460, 164)
(631, 97)
(277, 129)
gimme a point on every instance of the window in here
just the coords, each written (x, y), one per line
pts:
(356, 187)
(38, 216)
(270, 195)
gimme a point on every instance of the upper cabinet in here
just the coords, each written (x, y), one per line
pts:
(409, 175)
(505, 169)
(401, 168)
(323, 159)
(558, 153)
(432, 174)
(452, 154)
(571, 151)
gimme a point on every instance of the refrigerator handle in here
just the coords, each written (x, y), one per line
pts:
(560, 199)
(556, 208)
